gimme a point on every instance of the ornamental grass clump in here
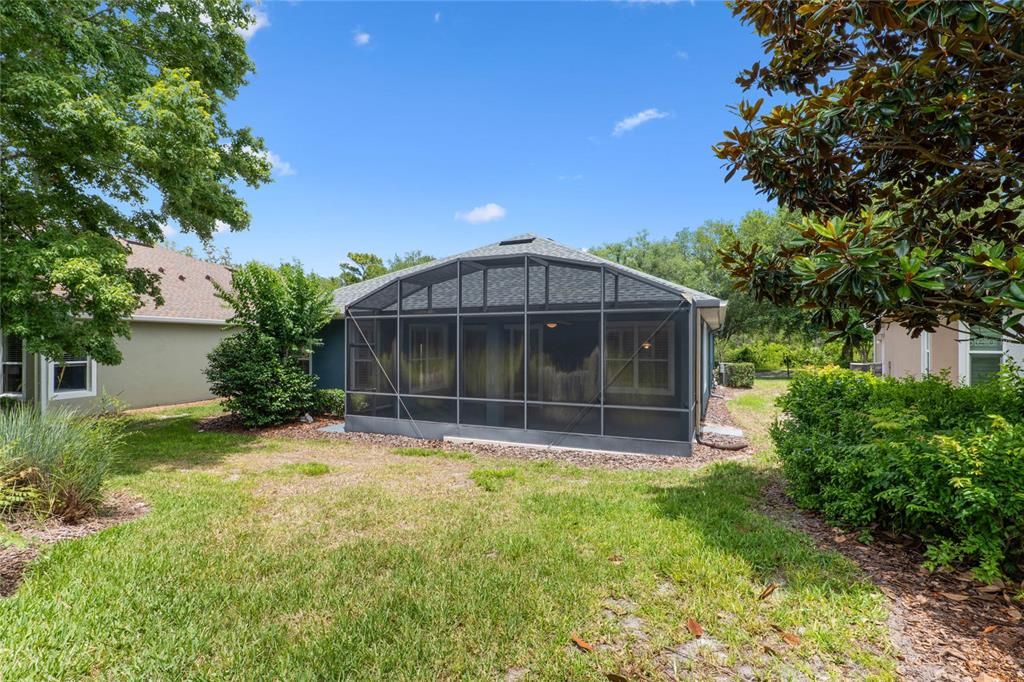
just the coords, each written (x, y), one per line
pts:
(938, 461)
(55, 464)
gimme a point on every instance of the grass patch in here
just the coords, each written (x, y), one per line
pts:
(492, 480)
(365, 575)
(433, 452)
(305, 468)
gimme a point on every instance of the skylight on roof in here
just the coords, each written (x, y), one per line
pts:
(520, 240)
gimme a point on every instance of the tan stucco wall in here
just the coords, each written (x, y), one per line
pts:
(162, 364)
(899, 354)
(946, 353)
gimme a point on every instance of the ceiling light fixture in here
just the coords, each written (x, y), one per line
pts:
(551, 325)
(646, 345)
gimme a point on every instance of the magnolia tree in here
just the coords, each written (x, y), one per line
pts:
(899, 137)
(112, 125)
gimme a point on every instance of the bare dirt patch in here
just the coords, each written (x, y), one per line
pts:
(945, 625)
(118, 507)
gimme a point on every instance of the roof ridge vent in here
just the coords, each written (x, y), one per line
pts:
(517, 240)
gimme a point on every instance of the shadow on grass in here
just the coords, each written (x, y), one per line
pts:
(721, 504)
(162, 439)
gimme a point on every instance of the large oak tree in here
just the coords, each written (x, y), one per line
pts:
(899, 136)
(112, 124)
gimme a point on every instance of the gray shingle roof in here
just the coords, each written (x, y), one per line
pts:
(528, 244)
(186, 284)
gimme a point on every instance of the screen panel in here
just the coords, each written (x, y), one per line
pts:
(646, 359)
(430, 409)
(428, 355)
(652, 424)
(372, 355)
(492, 357)
(623, 291)
(487, 413)
(368, 405)
(556, 285)
(493, 285)
(563, 360)
(564, 418)
(383, 302)
(431, 291)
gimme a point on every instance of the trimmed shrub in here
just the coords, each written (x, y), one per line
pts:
(773, 356)
(329, 402)
(942, 462)
(258, 385)
(738, 374)
(55, 464)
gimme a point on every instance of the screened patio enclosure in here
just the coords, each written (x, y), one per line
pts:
(526, 341)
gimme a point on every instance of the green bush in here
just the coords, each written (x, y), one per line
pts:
(942, 462)
(738, 374)
(329, 402)
(773, 356)
(55, 464)
(258, 385)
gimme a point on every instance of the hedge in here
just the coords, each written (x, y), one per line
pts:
(942, 462)
(738, 374)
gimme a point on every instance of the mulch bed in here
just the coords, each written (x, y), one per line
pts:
(945, 625)
(118, 507)
(702, 454)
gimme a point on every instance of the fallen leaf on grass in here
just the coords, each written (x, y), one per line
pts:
(694, 627)
(582, 643)
(615, 559)
(954, 596)
(615, 677)
(791, 639)
(768, 591)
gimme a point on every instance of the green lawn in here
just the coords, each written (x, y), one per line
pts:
(295, 559)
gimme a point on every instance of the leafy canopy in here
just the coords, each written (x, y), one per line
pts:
(285, 304)
(692, 258)
(901, 141)
(364, 266)
(112, 124)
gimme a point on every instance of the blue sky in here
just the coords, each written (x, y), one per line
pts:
(443, 126)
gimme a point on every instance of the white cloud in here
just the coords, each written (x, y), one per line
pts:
(482, 214)
(220, 226)
(259, 20)
(361, 38)
(168, 230)
(638, 119)
(279, 165)
(682, 54)
(437, 17)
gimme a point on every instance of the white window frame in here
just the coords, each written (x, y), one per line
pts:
(24, 368)
(88, 392)
(635, 359)
(420, 363)
(926, 354)
(966, 353)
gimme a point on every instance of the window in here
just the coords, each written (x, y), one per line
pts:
(306, 363)
(371, 355)
(986, 355)
(72, 377)
(13, 366)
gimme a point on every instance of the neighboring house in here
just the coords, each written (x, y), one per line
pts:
(968, 358)
(164, 359)
(525, 341)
